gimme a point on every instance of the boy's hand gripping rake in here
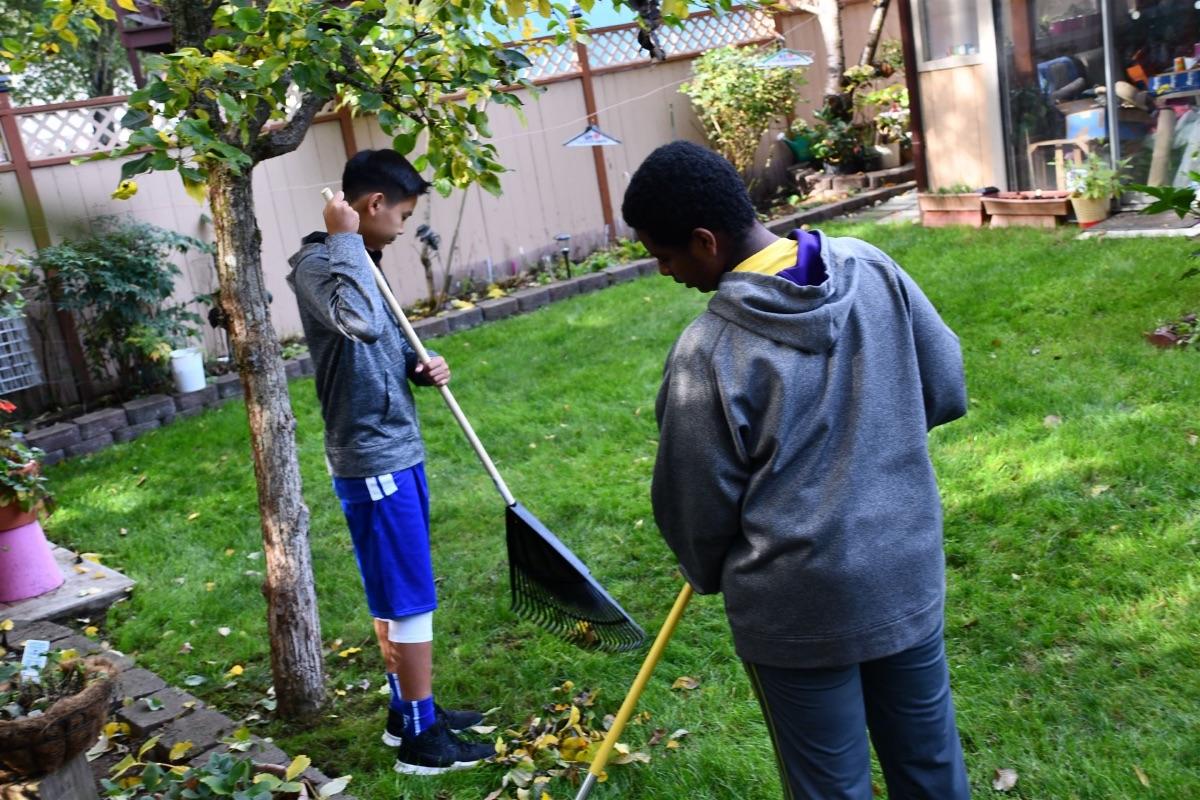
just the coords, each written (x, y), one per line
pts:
(550, 585)
(635, 692)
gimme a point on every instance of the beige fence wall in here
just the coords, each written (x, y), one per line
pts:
(548, 189)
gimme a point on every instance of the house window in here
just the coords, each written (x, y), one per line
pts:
(949, 28)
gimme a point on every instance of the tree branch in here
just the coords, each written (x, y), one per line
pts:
(288, 138)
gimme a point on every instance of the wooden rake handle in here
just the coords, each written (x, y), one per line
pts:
(635, 691)
(423, 356)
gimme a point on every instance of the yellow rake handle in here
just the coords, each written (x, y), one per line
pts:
(635, 691)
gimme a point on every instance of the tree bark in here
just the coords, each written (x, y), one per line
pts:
(292, 620)
(829, 15)
(873, 32)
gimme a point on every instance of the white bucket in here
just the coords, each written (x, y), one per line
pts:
(187, 367)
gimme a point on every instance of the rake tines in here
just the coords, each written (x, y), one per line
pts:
(552, 588)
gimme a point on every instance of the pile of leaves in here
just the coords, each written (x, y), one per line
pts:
(558, 746)
(64, 675)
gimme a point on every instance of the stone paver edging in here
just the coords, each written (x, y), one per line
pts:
(181, 717)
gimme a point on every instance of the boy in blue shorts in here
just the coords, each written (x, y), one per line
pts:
(373, 445)
(793, 476)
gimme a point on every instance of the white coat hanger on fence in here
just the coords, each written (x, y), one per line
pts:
(787, 58)
(592, 136)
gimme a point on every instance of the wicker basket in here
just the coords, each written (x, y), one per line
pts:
(32, 747)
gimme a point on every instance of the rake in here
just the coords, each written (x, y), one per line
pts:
(550, 585)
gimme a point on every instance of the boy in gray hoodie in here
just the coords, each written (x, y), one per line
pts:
(793, 476)
(373, 445)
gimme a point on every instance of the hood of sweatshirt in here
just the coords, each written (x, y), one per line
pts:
(806, 317)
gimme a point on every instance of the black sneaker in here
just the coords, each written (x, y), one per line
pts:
(437, 750)
(457, 721)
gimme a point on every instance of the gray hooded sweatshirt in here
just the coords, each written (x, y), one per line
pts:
(793, 473)
(361, 358)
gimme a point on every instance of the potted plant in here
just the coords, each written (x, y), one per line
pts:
(1037, 209)
(53, 713)
(951, 205)
(890, 122)
(1093, 186)
(27, 565)
(839, 146)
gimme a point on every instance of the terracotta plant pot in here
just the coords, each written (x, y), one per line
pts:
(11, 514)
(939, 210)
(32, 747)
(1089, 211)
(1037, 210)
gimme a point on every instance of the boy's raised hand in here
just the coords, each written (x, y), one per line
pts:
(435, 373)
(340, 216)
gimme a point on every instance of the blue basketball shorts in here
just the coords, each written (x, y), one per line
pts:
(388, 516)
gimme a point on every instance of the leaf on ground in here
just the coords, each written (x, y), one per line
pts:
(123, 532)
(6, 625)
(87, 592)
(185, 648)
(193, 515)
(229, 551)
(686, 683)
(80, 569)
(335, 786)
(1004, 779)
(1052, 421)
(1193, 439)
(153, 703)
(194, 680)
(1142, 777)
(141, 480)
(349, 651)
(234, 671)
(178, 750)
(90, 630)
(210, 585)
(656, 737)
(1099, 489)
(298, 765)
(224, 631)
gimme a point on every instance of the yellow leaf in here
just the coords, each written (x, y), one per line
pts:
(128, 5)
(68, 36)
(178, 749)
(673, 744)
(685, 682)
(125, 190)
(6, 625)
(349, 651)
(494, 292)
(197, 190)
(234, 671)
(222, 57)
(1141, 776)
(298, 765)
(573, 720)
(93, 557)
(193, 515)
(229, 551)
(461, 303)
(59, 22)
(147, 746)
(115, 729)
(209, 586)
(91, 630)
(69, 654)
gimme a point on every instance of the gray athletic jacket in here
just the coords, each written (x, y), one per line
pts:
(793, 473)
(361, 358)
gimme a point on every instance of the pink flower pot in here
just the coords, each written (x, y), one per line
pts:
(27, 565)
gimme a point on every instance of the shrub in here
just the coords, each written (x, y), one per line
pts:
(737, 101)
(119, 282)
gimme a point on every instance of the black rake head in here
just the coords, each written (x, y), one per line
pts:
(552, 588)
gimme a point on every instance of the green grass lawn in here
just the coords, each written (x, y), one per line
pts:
(1072, 532)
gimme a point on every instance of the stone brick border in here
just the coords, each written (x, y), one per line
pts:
(97, 430)
(181, 717)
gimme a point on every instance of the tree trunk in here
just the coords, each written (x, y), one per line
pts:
(829, 15)
(292, 621)
(873, 32)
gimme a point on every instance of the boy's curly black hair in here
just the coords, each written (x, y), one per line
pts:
(384, 171)
(682, 186)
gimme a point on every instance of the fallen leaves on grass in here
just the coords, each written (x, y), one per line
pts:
(1004, 779)
(557, 745)
(1142, 777)
(686, 683)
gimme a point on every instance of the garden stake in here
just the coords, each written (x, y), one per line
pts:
(635, 692)
(550, 586)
